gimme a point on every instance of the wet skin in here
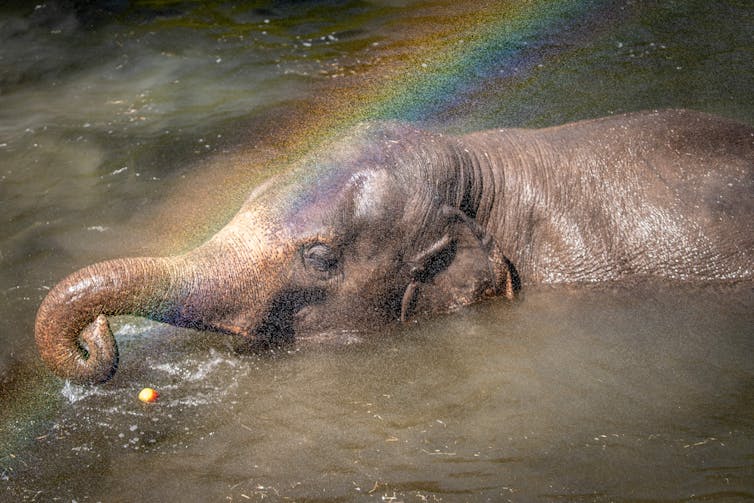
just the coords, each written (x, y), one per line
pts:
(391, 220)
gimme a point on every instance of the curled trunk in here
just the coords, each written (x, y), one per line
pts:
(71, 330)
(223, 285)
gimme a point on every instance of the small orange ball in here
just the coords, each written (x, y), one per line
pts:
(148, 395)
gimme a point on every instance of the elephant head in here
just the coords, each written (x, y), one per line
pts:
(367, 231)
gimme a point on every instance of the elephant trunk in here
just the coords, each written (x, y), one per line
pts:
(72, 333)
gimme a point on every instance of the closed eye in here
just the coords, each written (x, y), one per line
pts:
(320, 257)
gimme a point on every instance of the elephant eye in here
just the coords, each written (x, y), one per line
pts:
(320, 257)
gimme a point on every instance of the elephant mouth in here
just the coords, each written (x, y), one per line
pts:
(286, 317)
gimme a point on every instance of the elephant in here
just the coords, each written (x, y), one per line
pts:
(389, 221)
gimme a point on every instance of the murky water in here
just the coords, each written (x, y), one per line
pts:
(129, 129)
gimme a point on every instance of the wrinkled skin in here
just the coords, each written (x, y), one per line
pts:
(391, 221)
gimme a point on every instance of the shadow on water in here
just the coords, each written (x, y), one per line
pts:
(136, 127)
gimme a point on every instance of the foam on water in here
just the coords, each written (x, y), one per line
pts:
(196, 370)
(74, 393)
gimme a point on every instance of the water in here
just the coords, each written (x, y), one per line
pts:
(575, 395)
(137, 129)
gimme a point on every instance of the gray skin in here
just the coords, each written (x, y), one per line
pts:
(390, 221)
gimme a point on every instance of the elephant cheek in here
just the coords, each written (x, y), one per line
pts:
(234, 289)
(306, 319)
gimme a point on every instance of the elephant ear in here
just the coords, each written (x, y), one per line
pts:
(462, 267)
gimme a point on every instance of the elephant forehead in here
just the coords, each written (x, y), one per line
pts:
(371, 197)
(337, 200)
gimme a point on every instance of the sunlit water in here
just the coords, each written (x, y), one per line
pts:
(116, 131)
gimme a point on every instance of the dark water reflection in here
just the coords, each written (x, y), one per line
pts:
(120, 127)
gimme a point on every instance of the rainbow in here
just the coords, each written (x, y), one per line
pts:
(493, 40)
(416, 80)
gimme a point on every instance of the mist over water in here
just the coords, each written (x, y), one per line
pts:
(121, 125)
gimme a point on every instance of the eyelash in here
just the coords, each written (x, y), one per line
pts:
(324, 261)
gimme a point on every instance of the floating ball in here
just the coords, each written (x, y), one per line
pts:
(148, 395)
